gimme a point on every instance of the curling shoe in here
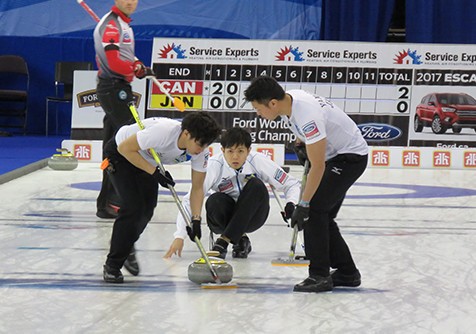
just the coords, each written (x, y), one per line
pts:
(242, 249)
(131, 263)
(112, 275)
(108, 212)
(340, 279)
(220, 246)
(315, 284)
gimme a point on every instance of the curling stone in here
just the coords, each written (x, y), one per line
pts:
(199, 272)
(63, 161)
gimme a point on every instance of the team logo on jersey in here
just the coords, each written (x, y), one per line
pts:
(225, 185)
(111, 34)
(123, 95)
(127, 38)
(182, 158)
(310, 130)
(249, 177)
(280, 176)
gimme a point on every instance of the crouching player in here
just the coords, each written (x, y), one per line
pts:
(240, 200)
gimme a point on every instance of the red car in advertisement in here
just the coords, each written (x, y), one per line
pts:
(442, 111)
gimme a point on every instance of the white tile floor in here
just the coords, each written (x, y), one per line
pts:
(412, 234)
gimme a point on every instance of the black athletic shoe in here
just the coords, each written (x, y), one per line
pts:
(340, 279)
(131, 263)
(220, 246)
(315, 284)
(112, 275)
(108, 212)
(242, 249)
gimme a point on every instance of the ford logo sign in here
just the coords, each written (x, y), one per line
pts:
(379, 132)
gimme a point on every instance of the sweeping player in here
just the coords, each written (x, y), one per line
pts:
(114, 46)
(133, 172)
(240, 200)
(338, 156)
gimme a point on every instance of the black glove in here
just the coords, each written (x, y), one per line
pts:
(195, 230)
(301, 154)
(300, 217)
(163, 180)
(289, 210)
(141, 71)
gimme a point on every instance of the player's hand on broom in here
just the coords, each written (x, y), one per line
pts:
(163, 179)
(194, 230)
(288, 211)
(300, 216)
(141, 71)
(300, 151)
(175, 248)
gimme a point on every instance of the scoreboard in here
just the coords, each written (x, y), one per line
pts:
(379, 85)
(221, 87)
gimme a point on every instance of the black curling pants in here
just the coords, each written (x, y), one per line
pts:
(247, 214)
(114, 96)
(323, 241)
(138, 195)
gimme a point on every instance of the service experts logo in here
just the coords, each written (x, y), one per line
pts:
(172, 52)
(288, 53)
(407, 57)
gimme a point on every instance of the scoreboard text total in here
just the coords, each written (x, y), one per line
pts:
(218, 86)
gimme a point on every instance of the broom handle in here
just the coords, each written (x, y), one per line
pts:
(295, 228)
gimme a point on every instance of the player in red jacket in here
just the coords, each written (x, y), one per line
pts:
(117, 64)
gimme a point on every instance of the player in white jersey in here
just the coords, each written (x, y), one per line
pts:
(134, 174)
(239, 203)
(338, 156)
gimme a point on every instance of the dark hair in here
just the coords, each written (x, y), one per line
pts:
(202, 127)
(235, 136)
(263, 89)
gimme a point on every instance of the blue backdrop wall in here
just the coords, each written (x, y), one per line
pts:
(46, 31)
(441, 21)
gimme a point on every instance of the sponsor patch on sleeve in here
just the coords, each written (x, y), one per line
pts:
(310, 130)
(280, 176)
(205, 160)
